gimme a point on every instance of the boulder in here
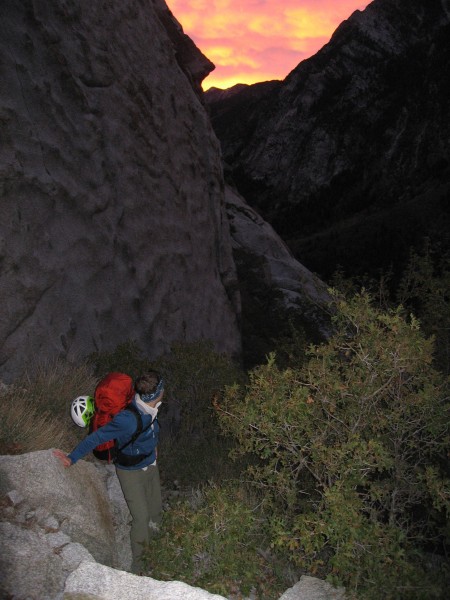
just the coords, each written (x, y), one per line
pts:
(74, 503)
(299, 287)
(273, 284)
(311, 588)
(97, 582)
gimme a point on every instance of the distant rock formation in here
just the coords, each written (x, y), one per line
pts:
(235, 113)
(112, 217)
(349, 157)
(64, 535)
(271, 281)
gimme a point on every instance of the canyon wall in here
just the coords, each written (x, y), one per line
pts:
(112, 222)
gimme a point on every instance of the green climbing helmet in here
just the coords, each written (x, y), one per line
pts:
(82, 410)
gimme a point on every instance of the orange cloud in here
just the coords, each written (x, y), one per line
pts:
(259, 40)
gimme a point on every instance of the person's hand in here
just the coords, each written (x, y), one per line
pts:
(63, 458)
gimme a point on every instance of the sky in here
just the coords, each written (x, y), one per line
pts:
(259, 40)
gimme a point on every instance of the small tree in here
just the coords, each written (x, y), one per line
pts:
(191, 448)
(351, 448)
(127, 357)
(194, 374)
(425, 286)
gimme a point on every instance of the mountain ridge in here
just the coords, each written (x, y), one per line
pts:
(360, 126)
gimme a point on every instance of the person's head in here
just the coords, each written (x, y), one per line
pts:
(150, 387)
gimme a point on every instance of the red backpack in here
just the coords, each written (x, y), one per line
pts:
(112, 394)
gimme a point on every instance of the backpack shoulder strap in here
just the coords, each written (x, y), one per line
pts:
(139, 427)
(137, 414)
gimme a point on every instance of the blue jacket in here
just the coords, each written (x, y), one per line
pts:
(121, 428)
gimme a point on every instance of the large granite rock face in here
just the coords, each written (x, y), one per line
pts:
(112, 225)
(348, 157)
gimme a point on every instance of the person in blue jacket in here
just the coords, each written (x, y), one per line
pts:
(135, 461)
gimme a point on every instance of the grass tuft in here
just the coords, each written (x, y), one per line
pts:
(35, 410)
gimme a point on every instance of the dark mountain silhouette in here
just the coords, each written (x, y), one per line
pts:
(348, 157)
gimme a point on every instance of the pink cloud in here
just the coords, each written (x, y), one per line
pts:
(257, 40)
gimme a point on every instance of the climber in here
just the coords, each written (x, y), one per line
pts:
(135, 430)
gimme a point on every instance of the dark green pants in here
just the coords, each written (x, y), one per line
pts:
(142, 491)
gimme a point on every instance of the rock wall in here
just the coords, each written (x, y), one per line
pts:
(112, 224)
(272, 283)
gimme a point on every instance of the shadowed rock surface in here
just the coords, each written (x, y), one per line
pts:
(272, 284)
(112, 224)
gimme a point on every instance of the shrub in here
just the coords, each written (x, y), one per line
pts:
(195, 373)
(211, 540)
(127, 358)
(425, 287)
(422, 288)
(191, 448)
(351, 448)
(291, 346)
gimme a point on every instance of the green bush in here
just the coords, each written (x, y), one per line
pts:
(422, 288)
(348, 451)
(195, 374)
(425, 288)
(191, 448)
(211, 540)
(352, 448)
(127, 358)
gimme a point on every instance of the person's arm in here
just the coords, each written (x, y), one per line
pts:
(122, 424)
